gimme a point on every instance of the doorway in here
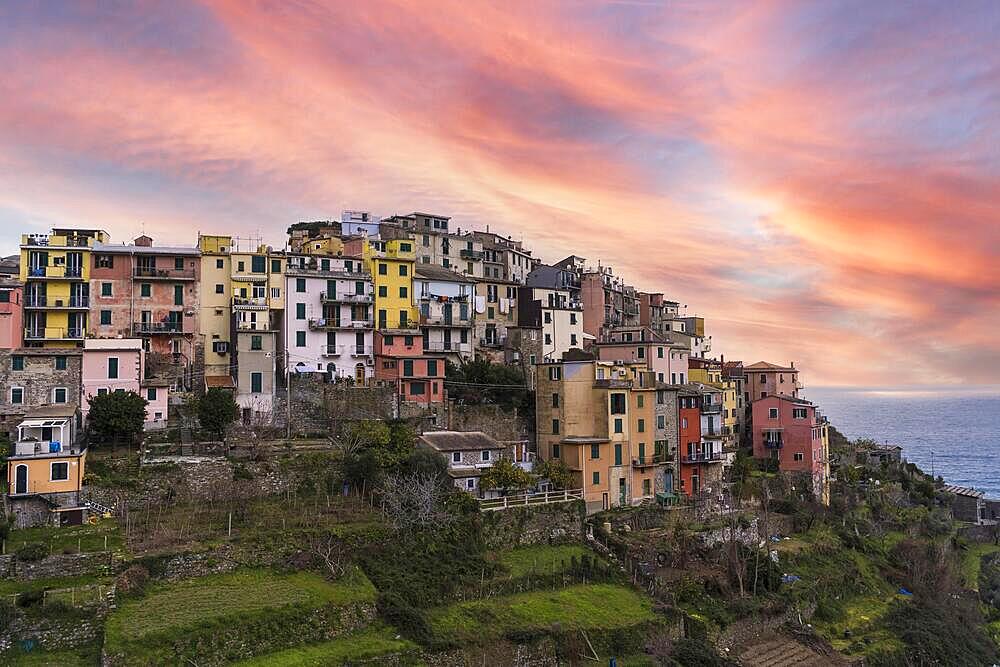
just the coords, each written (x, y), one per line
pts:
(21, 479)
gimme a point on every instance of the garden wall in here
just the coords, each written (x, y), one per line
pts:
(555, 523)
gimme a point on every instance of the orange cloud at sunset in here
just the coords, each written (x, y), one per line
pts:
(815, 180)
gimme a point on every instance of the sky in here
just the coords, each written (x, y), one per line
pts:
(819, 180)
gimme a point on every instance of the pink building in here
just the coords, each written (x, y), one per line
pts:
(791, 432)
(666, 359)
(118, 364)
(764, 379)
(11, 315)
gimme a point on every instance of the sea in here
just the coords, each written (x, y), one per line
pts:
(952, 432)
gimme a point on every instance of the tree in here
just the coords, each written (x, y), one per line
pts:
(217, 410)
(554, 470)
(506, 476)
(479, 381)
(414, 501)
(117, 416)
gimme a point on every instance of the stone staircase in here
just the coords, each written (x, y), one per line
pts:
(784, 652)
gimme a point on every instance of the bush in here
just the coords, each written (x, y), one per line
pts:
(694, 653)
(30, 598)
(132, 582)
(33, 551)
(409, 620)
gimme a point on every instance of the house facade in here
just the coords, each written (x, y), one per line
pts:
(114, 364)
(32, 378)
(400, 362)
(790, 432)
(11, 314)
(469, 454)
(446, 302)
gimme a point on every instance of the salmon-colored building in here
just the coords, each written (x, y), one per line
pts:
(400, 361)
(700, 444)
(764, 379)
(791, 432)
(11, 315)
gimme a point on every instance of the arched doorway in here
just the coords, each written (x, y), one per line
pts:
(21, 479)
(359, 374)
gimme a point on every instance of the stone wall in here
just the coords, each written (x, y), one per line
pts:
(54, 634)
(555, 523)
(504, 425)
(501, 652)
(62, 565)
(981, 534)
(318, 406)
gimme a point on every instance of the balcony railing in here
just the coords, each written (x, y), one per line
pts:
(169, 327)
(40, 301)
(648, 461)
(702, 457)
(439, 346)
(55, 272)
(153, 273)
(324, 323)
(332, 350)
(773, 444)
(360, 350)
(493, 342)
(471, 254)
(53, 333)
(250, 303)
(345, 298)
(711, 408)
(442, 321)
(331, 272)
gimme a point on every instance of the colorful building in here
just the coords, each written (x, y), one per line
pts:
(447, 311)
(11, 314)
(792, 433)
(495, 313)
(55, 271)
(764, 379)
(329, 323)
(119, 364)
(400, 362)
(701, 438)
(33, 378)
(216, 293)
(390, 263)
(599, 419)
(558, 319)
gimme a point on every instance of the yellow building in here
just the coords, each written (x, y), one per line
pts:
(216, 303)
(55, 270)
(391, 263)
(599, 418)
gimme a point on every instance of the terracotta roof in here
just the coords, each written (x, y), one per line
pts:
(767, 366)
(219, 381)
(454, 441)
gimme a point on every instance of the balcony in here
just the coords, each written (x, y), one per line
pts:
(441, 320)
(345, 298)
(53, 333)
(476, 255)
(360, 350)
(152, 273)
(711, 408)
(324, 323)
(55, 272)
(441, 346)
(773, 443)
(150, 328)
(250, 303)
(315, 268)
(332, 350)
(649, 461)
(702, 457)
(499, 342)
(50, 241)
(65, 303)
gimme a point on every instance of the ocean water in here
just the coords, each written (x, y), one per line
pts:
(955, 432)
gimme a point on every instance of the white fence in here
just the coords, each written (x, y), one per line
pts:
(527, 499)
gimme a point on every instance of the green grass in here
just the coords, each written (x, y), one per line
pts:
(364, 645)
(11, 587)
(84, 656)
(169, 608)
(541, 559)
(581, 607)
(60, 539)
(971, 562)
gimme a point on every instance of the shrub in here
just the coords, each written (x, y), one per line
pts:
(132, 582)
(409, 620)
(30, 598)
(694, 653)
(33, 551)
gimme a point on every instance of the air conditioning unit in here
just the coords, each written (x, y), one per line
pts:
(369, 361)
(189, 313)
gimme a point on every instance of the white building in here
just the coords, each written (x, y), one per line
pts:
(328, 317)
(446, 303)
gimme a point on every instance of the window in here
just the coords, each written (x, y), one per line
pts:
(59, 471)
(555, 400)
(548, 317)
(256, 382)
(798, 456)
(405, 247)
(402, 292)
(418, 388)
(408, 341)
(640, 400)
(772, 413)
(150, 393)
(17, 363)
(684, 422)
(275, 266)
(105, 262)
(555, 451)
(258, 264)
(456, 457)
(383, 269)
(300, 339)
(220, 264)
(59, 395)
(597, 478)
(178, 295)
(798, 413)
(572, 318)
(548, 339)
(659, 352)
(220, 288)
(555, 427)
(403, 319)
(617, 404)
(486, 455)
(432, 367)
(408, 368)
(300, 285)
(555, 372)
(240, 266)
(300, 311)
(763, 378)
(16, 395)
(112, 368)
(470, 483)
(5, 296)
(256, 342)
(60, 363)
(618, 426)
(618, 453)
(572, 339)
(640, 352)
(595, 451)
(426, 240)
(101, 391)
(661, 421)
(402, 270)
(145, 290)
(491, 313)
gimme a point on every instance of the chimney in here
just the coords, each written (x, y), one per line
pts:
(793, 364)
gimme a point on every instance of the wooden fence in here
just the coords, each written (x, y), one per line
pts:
(528, 499)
